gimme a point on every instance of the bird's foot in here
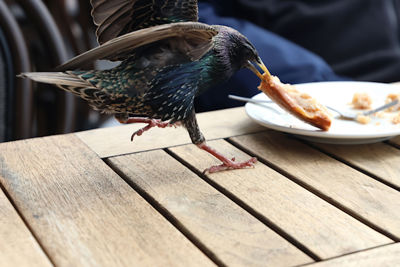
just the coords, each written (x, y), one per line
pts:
(150, 124)
(227, 164)
(153, 123)
(231, 165)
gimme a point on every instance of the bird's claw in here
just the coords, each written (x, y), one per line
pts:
(231, 165)
(153, 123)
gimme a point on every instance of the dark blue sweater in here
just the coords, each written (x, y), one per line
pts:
(292, 63)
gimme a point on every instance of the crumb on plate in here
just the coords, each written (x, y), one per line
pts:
(379, 114)
(363, 119)
(390, 98)
(396, 119)
(361, 101)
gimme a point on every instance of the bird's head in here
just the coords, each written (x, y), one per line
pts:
(246, 54)
(253, 58)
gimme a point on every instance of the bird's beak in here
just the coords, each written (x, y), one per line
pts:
(261, 64)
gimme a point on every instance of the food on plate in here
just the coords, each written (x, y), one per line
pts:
(361, 101)
(379, 114)
(363, 119)
(301, 105)
(364, 101)
(393, 97)
(396, 119)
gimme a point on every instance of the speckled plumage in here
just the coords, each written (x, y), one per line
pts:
(141, 86)
(167, 60)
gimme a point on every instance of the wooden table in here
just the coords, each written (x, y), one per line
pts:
(95, 199)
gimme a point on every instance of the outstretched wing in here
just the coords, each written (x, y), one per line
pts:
(114, 18)
(193, 39)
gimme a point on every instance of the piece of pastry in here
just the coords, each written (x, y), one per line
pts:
(301, 105)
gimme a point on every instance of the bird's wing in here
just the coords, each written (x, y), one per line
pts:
(114, 18)
(196, 41)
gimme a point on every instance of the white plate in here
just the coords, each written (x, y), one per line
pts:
(337, 95)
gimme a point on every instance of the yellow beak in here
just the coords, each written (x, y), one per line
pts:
(262, 66)
(251, 67)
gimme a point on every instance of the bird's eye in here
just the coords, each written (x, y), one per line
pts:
(249, 53)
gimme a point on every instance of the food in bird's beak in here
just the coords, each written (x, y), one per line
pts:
(301, 105)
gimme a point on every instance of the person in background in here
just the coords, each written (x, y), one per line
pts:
(309, 41)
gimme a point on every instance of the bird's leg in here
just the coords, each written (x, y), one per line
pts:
(150, 124)
(227, 164)
(198, 139)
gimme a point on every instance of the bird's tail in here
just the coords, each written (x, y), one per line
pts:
(65, 80)
(61, 79)
(72, 83)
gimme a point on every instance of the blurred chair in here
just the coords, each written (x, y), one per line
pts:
(16, 95)
(54, 109)
(76, 26)
(32, 40)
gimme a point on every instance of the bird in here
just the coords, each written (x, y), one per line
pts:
(166, 58)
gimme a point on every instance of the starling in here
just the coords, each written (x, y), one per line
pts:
(167, 59)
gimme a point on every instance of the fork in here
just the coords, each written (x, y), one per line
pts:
(342, 114)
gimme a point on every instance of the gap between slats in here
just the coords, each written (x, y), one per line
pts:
(26, 224)
(254, 213)
(316, 191)
(347, 254)
(300, 183)
(166, 214)
(393, 144)
(164, 148)
(354, 166)
(248, 209)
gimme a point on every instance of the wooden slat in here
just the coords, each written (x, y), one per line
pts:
(383, 256)
(367, 198)
(234, 236)
(217, 124)
(17, 245)
(321, 228)
(83, 213)
(378, 159)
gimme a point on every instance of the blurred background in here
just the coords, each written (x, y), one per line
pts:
(300, 41)
(37, 36)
